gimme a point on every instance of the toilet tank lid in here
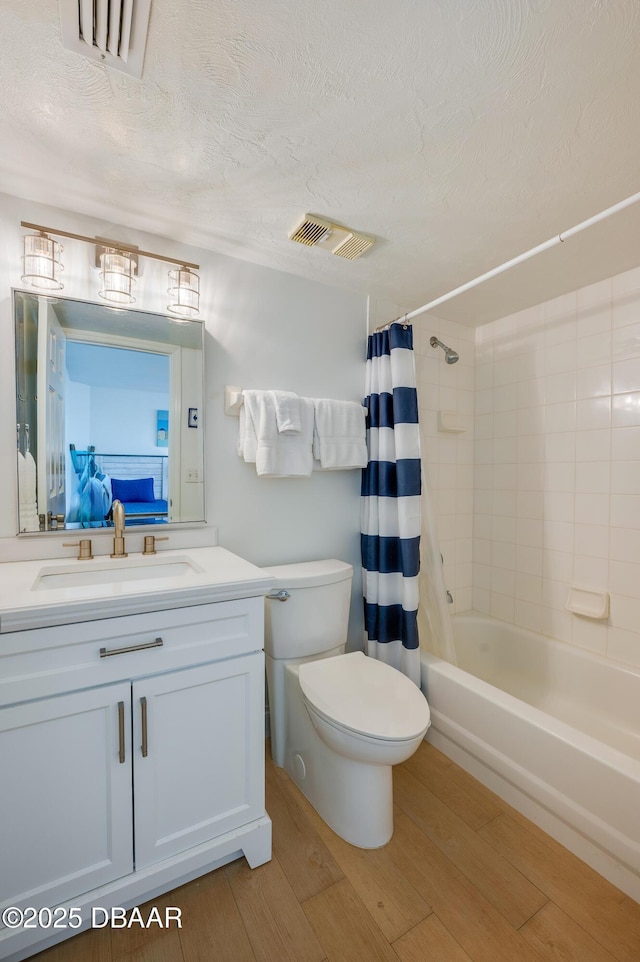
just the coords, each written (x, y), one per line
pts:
(308, 574)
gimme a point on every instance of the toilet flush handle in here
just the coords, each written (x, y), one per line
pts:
(279, 595)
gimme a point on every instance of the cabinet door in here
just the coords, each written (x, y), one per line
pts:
(198, 755)
(65, 798)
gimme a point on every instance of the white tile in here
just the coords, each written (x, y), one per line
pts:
(482, 576)
(625, 308)
(531, 420)
(505, 397)
(626, 341)
(505, 371)
(623, 646)
(483, 476)
(625, 612)
(558, 535)
(593, 445)
(502, 607)
(559, 505)
(625, 444)
(505, 424)
(593, 381)
(503, 558)
(624, 545)
(530, 504)
(505, 450)
(554, 594)
(594, 308)
(530, 531)
(593, 413)
(592, 477)
(590, 635)
(625, 411)
(503, 581)
(481, 525)
(591, 509)
(560, 359)
(482, 551)
(560, 417)
(505, 476)
(560, 387)
(557, 566)
(527, 615)
(625, 376)
(529, 559)
(561, 446)
(530, 449)
(557, 623)
(560, 476)
(504, 528)
(531, 473)
(624, 579)
(483, 502)
(625, 511)
(625, 477)
(593, 350)
(531, 393)
(484, 401)
(484, 376)
(591, 573)
(591, 539)
(481, 600)
(463, 600)
(626, 282)
(528, 587)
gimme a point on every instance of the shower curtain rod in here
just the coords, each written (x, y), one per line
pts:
(558, 239)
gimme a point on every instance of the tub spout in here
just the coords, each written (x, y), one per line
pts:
(449, 597)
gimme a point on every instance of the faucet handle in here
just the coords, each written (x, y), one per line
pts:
(150, 543)
(85, 553)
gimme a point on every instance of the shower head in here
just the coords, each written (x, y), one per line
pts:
(450, 355)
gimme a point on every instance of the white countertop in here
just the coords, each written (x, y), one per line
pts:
(36, 594)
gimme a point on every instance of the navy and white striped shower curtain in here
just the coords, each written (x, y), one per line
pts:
(390, 505)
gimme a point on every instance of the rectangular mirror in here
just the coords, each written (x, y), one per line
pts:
(108, 405)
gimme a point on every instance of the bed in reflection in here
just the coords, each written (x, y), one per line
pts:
(139, 481)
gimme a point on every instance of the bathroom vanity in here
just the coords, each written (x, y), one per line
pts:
(131, 731)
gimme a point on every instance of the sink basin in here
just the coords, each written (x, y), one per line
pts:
(115, 572)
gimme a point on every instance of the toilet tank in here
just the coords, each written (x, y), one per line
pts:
(314, 618)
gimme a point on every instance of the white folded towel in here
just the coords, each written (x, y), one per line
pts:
(284, 455)
(288, 414)
(340, 439)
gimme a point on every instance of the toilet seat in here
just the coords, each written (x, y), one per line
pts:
(365, 696)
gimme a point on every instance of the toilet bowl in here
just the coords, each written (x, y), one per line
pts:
(338, 721)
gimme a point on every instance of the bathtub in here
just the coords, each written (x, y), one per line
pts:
(552, 729)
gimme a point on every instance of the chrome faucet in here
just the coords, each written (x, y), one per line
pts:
(119, 522)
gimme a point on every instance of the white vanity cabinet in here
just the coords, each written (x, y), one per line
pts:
(131, 758)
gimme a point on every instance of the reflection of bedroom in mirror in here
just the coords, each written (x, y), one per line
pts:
(102, 413)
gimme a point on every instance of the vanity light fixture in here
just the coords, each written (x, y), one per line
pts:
(116, 274)
(184, 292)
(41, 261)
(118, 265)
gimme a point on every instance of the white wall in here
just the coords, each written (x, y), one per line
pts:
(264, 329)
(557, 465)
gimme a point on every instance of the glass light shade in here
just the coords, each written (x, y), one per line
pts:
(41, 262)
(184, 292)
(116, 273)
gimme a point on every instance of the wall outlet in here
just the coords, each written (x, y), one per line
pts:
(191, 475)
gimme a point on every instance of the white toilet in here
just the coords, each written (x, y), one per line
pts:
(338, 721)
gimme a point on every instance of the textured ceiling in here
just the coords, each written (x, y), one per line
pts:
(458, 132)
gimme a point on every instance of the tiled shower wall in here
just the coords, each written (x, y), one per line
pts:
(448, 457)
(556, 465)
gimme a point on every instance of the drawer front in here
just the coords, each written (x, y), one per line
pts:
(48, 661)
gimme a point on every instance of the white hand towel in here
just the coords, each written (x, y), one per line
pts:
(249, 419)
(288, 414)
(284, 455)
(340, 439)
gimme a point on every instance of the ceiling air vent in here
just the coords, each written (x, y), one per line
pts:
(317, 232)
(113, 32)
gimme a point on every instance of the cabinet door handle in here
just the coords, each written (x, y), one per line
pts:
(106, 652)
(121, 732)
(145, 742)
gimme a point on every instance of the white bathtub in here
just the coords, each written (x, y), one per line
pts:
(552, 729)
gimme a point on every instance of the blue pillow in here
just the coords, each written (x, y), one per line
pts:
(138, 489)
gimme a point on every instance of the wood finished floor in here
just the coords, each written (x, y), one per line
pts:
(465, 878)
